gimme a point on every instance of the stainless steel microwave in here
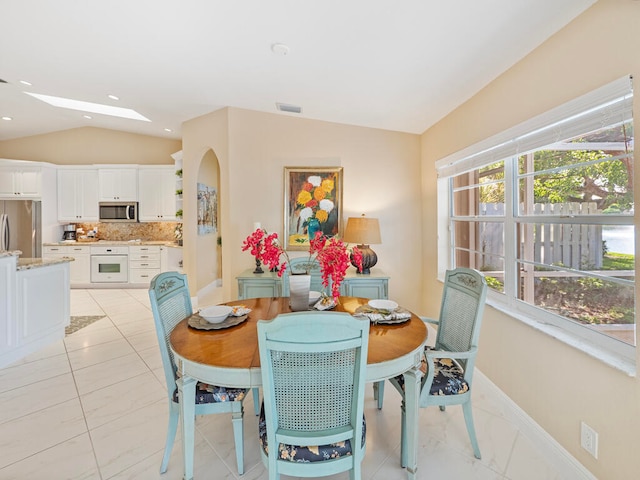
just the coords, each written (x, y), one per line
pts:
(118, 211)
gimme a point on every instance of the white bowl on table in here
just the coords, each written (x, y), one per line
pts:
(216, 313)
(314, 297)
(382, 304)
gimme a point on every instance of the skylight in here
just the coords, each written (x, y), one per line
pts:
(89, 107)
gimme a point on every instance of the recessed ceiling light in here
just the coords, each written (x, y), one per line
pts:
(88, 117)
(283, 107)
(168, 130)
(280, 49)
(7, 118)
(24, 82)
(113, 97)
(90, 107)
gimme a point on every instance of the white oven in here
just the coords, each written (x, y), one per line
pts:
(109, 264)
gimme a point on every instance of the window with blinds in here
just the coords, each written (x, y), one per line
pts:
(545, 211)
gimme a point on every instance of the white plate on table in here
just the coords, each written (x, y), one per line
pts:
(381, 304)
(314, 297)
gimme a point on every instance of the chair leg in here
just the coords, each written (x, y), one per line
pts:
(172, 428)
(238, 436)
(273, 468)
(256, 400)
(378, 393)
(356, 472)
(468, 419)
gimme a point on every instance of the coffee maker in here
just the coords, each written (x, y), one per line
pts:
(69, 233)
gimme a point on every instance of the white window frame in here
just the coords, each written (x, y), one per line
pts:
(573, 118)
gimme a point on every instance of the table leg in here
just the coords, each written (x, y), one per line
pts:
(412, 403)
(187, 395)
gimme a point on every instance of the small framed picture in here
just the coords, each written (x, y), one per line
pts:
(207, 209)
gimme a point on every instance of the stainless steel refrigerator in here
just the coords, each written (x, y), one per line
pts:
(21, 227)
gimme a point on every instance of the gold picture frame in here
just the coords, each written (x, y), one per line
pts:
(311, 192)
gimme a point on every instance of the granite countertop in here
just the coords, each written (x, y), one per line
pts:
(166, 243)
(29, 263)
(10, 253)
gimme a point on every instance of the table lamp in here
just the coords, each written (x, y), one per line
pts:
(363, 231)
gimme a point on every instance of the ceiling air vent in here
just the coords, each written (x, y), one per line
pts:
(283, 107)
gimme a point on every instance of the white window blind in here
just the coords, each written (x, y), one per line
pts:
(608, 105)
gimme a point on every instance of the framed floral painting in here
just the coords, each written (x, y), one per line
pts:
(312, 202)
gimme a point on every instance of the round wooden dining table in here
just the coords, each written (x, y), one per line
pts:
(230, 357)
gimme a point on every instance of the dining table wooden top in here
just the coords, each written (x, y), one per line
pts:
(237, 346)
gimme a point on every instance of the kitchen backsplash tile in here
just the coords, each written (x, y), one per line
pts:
(133, 231)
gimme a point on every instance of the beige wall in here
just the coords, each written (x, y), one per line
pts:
(204, 135)
(381, 179)
(89, 145)
(556, 385)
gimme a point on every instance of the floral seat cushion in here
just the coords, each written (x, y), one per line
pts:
(206, 393)
(294, 453)
(448, 378)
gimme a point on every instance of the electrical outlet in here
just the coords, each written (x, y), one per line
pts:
(589, 439)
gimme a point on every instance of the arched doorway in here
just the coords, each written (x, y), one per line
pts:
(208, 244)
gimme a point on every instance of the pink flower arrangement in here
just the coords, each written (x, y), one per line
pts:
(266, 249)
(331, 253)
(333, 257)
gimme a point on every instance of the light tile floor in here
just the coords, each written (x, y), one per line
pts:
(94, 407)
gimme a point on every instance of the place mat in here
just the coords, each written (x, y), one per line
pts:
(378, 315)
(199, 323)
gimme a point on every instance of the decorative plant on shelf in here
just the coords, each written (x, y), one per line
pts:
(179, 173)
(179, 192)
(332, 254)
(179, 214)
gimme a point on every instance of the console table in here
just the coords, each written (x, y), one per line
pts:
(268, 284)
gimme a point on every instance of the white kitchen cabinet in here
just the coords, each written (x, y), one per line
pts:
(77, 194)
(43, 302)
(118, 184)
(20, 182)
(38, 305)
(80, 268)
(7, 295)
(157, 193)
(144, 263)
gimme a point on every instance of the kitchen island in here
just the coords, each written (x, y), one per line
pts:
(34, 304)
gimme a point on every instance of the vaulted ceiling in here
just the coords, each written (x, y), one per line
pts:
(393, 65)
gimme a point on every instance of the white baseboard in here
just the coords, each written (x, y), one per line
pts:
(557, 456)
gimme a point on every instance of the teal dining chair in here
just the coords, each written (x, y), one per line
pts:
(171, 303)
(450, 364)
(313, 374)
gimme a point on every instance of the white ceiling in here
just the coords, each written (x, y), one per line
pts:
(397, 65)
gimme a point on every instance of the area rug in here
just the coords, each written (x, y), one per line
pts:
(81, 321)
